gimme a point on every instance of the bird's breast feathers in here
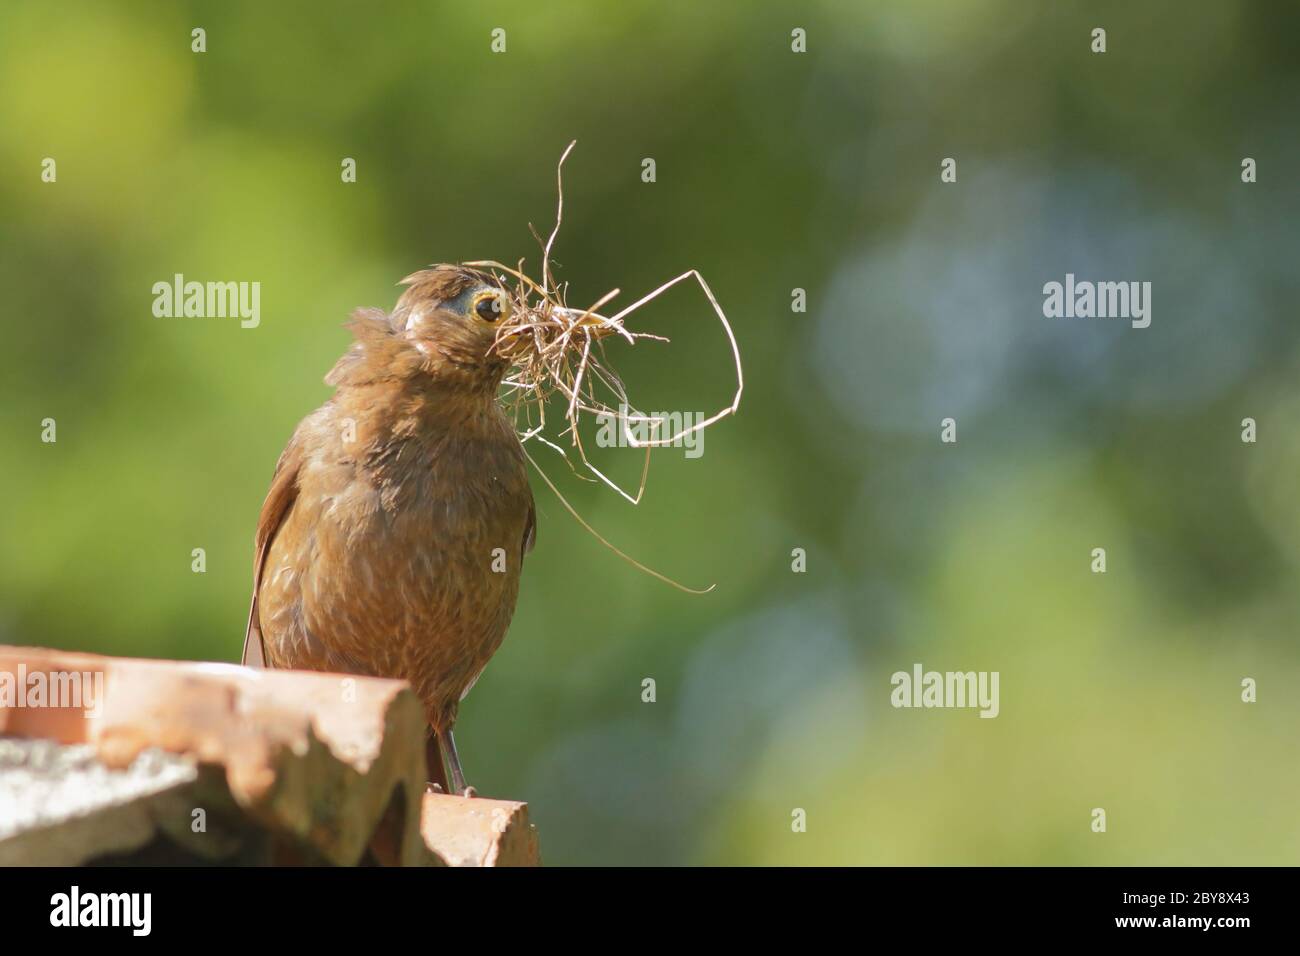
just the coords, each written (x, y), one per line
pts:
(397, 552)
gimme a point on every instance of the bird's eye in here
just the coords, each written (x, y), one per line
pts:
(491, 307)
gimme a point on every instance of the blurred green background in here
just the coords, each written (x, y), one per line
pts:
(775, 170)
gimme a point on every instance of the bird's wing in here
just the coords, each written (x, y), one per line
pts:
(284, 491)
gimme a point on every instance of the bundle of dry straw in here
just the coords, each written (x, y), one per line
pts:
(555, 349)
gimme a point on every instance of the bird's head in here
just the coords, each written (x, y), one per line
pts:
(452, 314)
(455, 325)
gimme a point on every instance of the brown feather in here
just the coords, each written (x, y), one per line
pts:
(284, 488)
(376, 544)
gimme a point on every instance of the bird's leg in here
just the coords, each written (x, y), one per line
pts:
(436, 771)
(453, 761)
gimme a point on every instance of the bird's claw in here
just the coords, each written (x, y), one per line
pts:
(437, 788)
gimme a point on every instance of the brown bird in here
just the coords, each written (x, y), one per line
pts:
(391, 541)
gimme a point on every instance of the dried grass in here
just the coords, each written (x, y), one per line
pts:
(555, 349)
